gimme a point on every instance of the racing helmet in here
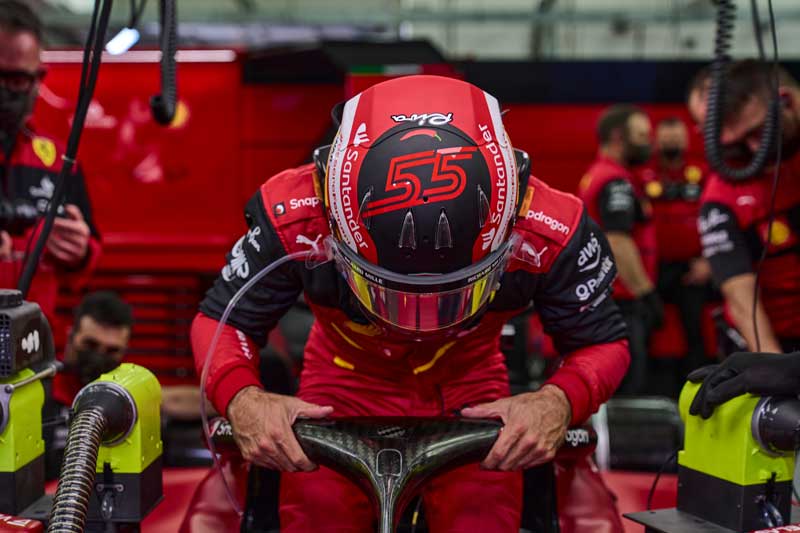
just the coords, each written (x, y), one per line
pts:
(421, 186)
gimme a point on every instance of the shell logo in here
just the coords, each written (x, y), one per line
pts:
(780, 233)
(654, 189)
(693, 174)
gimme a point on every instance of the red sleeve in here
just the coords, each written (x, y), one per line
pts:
(590, 375)
(234, 363)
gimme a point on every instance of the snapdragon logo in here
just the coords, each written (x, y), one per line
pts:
(550, 222)
(311, 201)
(576, 437)
(221, 428)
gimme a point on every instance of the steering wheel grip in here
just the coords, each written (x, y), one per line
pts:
(390, 458)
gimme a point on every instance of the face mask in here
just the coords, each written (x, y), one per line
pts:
(636, 154)
(672, 153)
(91, 364)
(737, 154)
(14, 109)
(740, 155)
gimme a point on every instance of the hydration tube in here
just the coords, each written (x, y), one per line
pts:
(318, 254)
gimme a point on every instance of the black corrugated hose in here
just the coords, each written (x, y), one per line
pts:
(76, 482)
(726, 18)
(95, 41)
(164, 105)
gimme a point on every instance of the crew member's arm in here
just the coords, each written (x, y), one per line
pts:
(586, 325)
(629, 263)
(261, 421)
(738, 292)
(617, 206)
(725, 246)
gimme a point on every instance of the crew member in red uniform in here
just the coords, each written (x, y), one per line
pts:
(673, 186)
(30, 161)
(438, 236)
(614, 198)
(735, 214)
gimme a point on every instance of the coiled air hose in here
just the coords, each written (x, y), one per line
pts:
(165, 104)
(726, 18)
(105, 413)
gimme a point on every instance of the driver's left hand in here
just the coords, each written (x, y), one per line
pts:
(535, 426)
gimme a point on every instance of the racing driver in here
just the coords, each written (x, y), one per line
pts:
(438, 235)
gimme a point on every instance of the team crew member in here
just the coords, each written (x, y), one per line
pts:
(673, 186)
(735, 214)
(96, 344)
(418, 203)
(614, 198)
(30, 160)
(696, 95)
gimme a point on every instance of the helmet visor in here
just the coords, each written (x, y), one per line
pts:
(422, 303)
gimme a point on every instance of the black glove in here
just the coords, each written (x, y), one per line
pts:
(652, 309)
(757, 373)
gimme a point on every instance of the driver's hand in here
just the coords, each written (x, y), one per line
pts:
(262, 427)
(535, 426)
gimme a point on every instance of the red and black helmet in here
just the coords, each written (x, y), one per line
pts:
(421, 186)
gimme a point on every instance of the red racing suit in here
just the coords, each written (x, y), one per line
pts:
(30, 174)
(675, 197)
(733, 228)
(615, 199)
(360, 370)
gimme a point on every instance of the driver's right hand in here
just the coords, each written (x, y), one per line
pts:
(262, 427)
